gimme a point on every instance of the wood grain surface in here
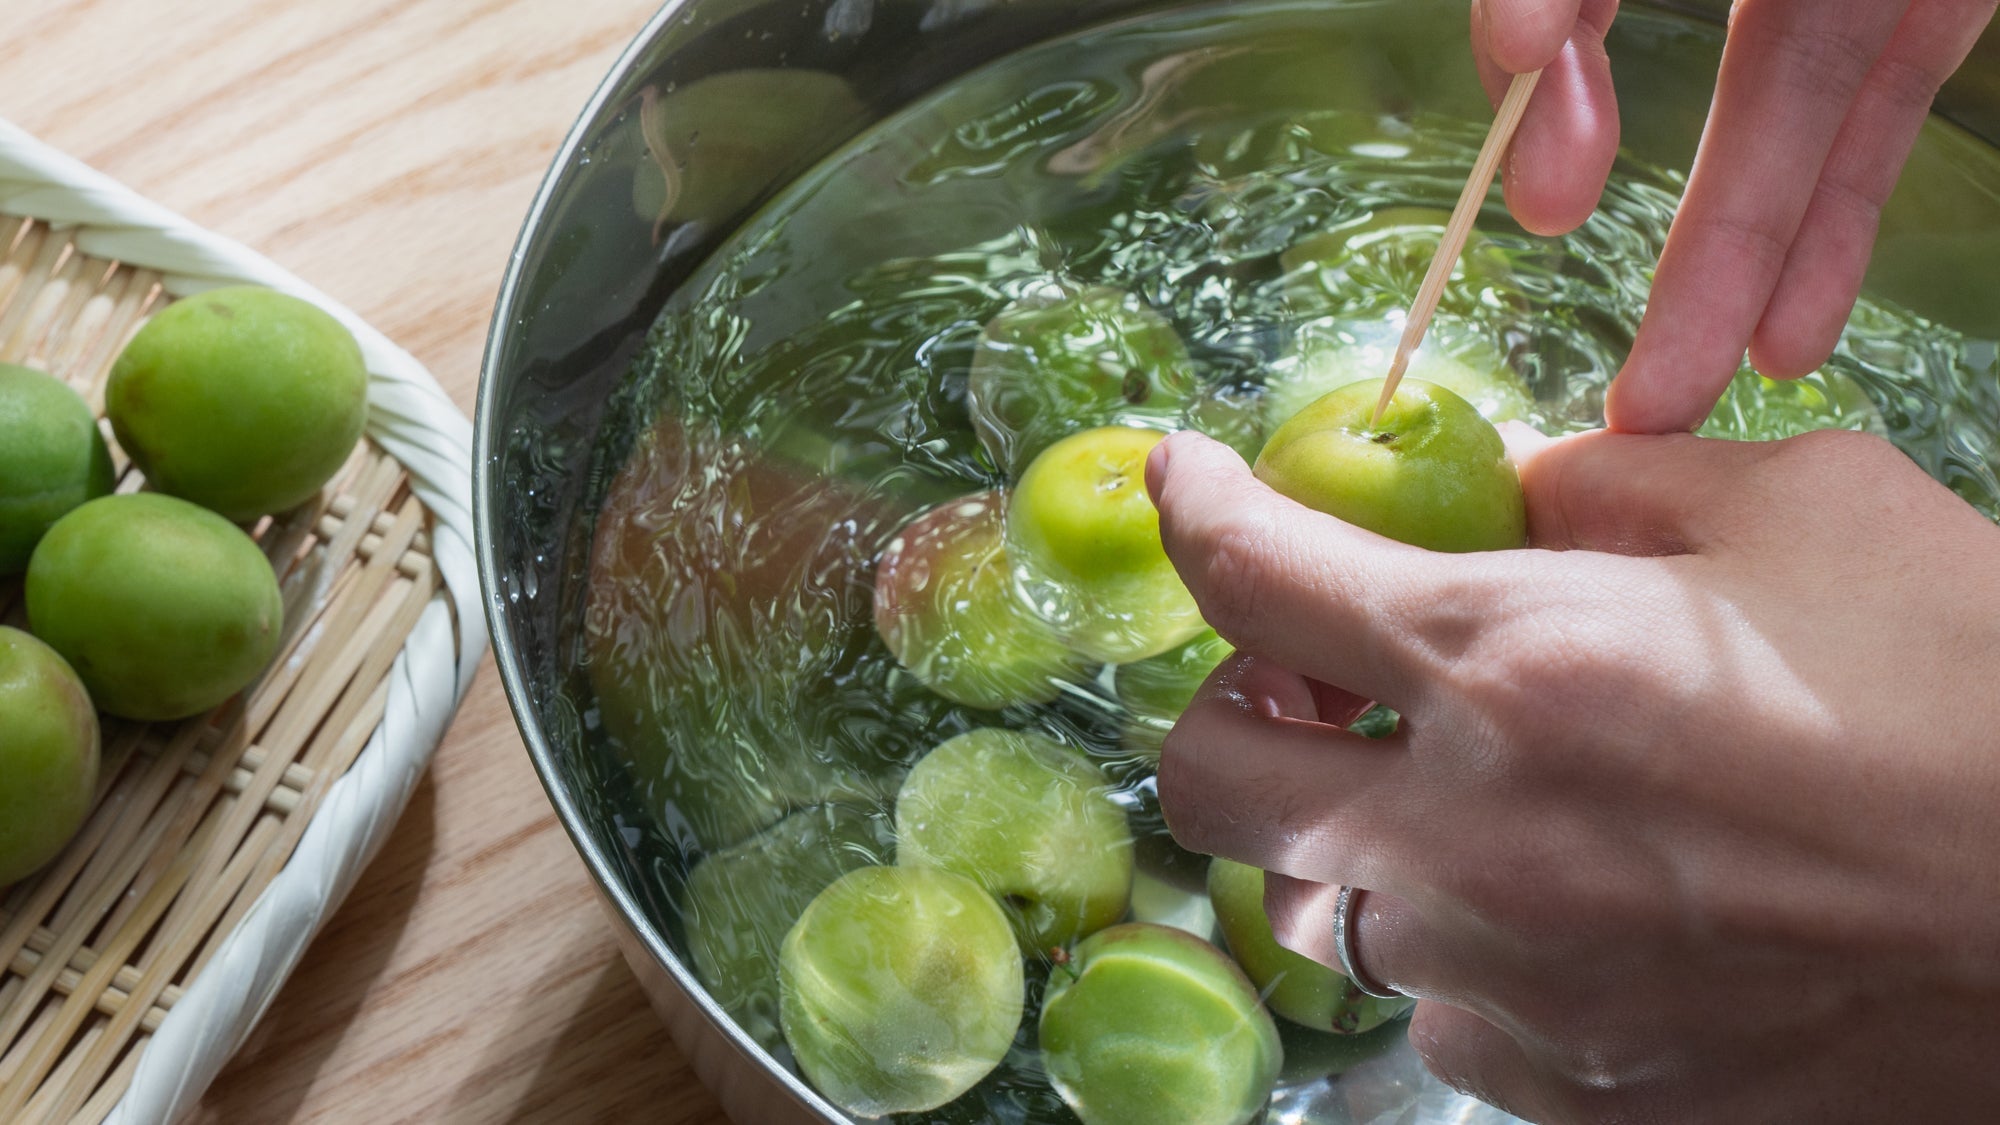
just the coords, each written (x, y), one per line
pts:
(386, 151)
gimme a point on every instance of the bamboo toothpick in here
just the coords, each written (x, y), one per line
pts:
(1505, 121)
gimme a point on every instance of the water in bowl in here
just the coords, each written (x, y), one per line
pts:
(1264, 177)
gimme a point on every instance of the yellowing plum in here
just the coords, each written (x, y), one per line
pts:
(1331, 354)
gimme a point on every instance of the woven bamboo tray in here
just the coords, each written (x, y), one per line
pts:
(134, 964)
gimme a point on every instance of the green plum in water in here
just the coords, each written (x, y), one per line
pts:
(244, 400)
(1164, 902)
(52, 458)
(1295, 986)
(48, 754)
(1085, 541)
(741, 901)
(899, 989)
(1030, 820)
(947, 607)
(1146, 1024)
(1331, 354)
(163, 608)
(1156, 690)
(1430, 472)
(1064, 359)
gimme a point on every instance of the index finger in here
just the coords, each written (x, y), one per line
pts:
(1790, 72)
(1324, 598)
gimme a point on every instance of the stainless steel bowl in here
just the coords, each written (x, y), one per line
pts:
(585, 282)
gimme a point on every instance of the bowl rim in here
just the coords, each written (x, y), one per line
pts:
(506, 655)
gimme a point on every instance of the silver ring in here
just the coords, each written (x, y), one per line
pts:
(1344, 918)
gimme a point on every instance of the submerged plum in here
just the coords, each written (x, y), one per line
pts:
(946, 605)
(1064, 359)
(899, 989)
(740, 902)
(1030, 820)
(1147, 1024)
(1156, 690)
(1295, 986)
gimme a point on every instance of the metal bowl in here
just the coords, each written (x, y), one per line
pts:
(584, 284)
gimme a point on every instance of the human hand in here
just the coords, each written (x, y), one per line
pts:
(1691, 816)
(1816, 108)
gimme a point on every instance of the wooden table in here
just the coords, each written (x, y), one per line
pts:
(386, 151)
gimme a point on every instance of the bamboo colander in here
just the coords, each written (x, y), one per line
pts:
(136, 962)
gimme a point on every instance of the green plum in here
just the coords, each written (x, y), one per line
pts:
(1064, 359)
(163, 608)
(1147, 1024)
(1331, 354)
(1295, 986)
(1030, 820)
(1156, 690)
(1755, 408)
(899, 989)
(244, 400)
(1085, 540)
(947, 607)
(52, 458)
(48, 754)
(742, 900)
(1431, 472)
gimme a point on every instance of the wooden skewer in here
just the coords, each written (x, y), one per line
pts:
(1505, 121)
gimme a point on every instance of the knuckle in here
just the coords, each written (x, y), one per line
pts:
(1752, 239)
(1904, 84)
(1797, 471)
(1809, 55)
